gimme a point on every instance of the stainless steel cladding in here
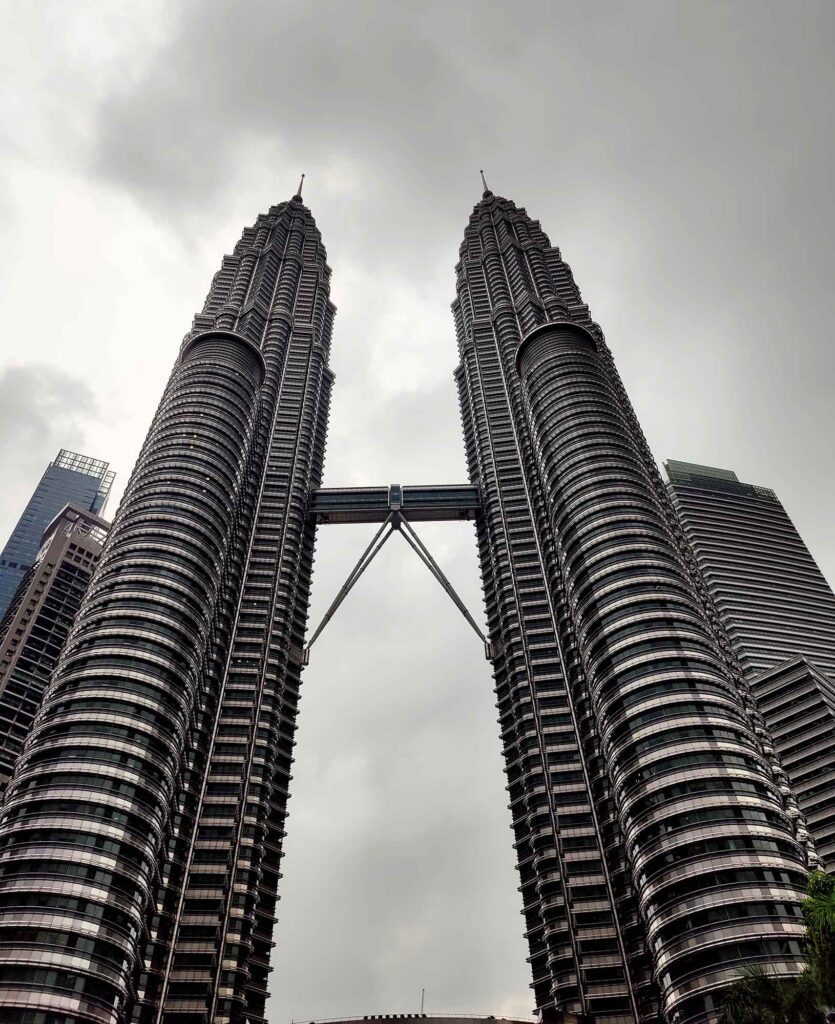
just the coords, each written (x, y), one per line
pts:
(141, 837)
(208, 957)
(587, 948)
(89, 807)
(658, 844)
(699, 806)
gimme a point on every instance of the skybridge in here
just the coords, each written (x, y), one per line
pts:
(396, 507)
(443, 503)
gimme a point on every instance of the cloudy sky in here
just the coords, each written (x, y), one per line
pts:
(681, 156)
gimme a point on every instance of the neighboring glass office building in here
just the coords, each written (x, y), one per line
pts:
(35, 627)
(779, 613)
(70, 479)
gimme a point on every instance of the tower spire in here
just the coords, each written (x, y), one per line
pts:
(484, 183)
(299, 189)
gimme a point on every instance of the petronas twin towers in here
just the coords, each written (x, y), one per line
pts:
(659, 846)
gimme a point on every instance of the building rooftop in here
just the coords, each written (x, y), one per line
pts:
(65, 459)
(711, 478)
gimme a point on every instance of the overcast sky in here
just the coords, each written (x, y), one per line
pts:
(681, 156)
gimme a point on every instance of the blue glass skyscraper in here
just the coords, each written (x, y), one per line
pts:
(70, 479)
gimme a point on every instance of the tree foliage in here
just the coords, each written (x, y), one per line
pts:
(819, 915)
(760, 996)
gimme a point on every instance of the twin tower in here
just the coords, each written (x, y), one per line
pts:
(659, 846)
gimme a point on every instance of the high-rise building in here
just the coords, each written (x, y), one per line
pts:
(798, 705)
(779, 613)
(653, 829)
(139, 863)
(35, 626)
(70, 479)
(772, 597)
(658, 844)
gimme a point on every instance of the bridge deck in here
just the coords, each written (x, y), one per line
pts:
(442, 503)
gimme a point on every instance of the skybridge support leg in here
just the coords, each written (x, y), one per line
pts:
(397, 521)
(366, 558)
(424, 555)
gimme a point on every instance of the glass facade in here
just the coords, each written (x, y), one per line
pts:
(69, 479)
(38, 620)
(648, 809)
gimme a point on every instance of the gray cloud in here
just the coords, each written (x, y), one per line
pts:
(43, 409)
(401, 867)
(560, 97)
(677, 152)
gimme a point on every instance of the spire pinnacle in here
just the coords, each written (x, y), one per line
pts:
(484, 181)
(299, 190)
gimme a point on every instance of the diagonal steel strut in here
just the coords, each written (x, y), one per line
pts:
(397, 521)
(366, 558)
(423, 554)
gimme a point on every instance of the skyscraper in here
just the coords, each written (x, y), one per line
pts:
(772, 597)
(779, 613)
(798, 704)
(36, 624)
(653, 826)
(70, 479)
(658, 843)
(179, 680)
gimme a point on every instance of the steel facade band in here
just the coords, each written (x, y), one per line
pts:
(702, 817)
(83, 825)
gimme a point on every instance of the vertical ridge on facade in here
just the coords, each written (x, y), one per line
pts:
(686, 825)
(83, 825)
(585, 937)
(150, 847)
